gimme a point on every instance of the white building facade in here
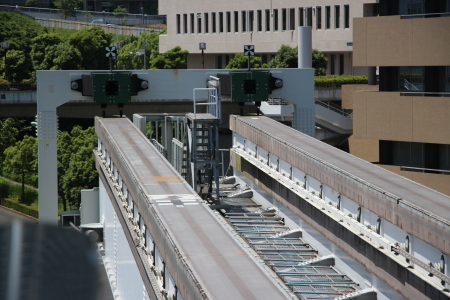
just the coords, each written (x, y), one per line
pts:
(226, 26)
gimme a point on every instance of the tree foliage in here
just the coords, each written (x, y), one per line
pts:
(39, 49)
(8, 134)
(127, 61)
(68, 7)
(21, 163)
(18, 30)
(121, 13)
(173, 59)
(287, 57)
(319, 63)
(91, 43)
(76, 164)
(240, 61)
(62, 57)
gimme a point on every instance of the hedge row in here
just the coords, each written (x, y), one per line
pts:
(20, 208)
(338, 80)
(9, 189)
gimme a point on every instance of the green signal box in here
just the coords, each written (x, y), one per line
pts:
(250, 86)
(111, 87)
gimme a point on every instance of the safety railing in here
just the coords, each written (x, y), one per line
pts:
(425, 170)
(336, 108)
(212, 100)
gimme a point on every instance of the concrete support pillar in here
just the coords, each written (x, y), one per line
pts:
(304, 47)
(47, 124)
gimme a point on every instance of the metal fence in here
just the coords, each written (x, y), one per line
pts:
(94, 17)
(18, 86)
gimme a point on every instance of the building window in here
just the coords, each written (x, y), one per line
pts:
(244, 21)
(341, 64)
(412, 7)
(337, 16)
(259, 16)
(236, 21)
(178, 24)
(185, 25)
(192, 23)
(228, 21)
(283, 19)
(309, 16)
(301, 17)
(221, 22)
(275, 20)
(267, 19)
(251, 18)
(411, 79)
(327, 17)
(213, 17)
(318, 17)
(291, 19)
(346, 16)
(199, 23)
(206, 22)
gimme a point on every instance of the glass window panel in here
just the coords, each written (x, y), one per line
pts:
(267, 20)
(275, 20)
(318, 17)
(292, 19)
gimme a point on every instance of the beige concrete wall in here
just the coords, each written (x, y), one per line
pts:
(366, 149)
(349, 89)
(389, 116)
(391, 41)
(437, 182)
(332, 40)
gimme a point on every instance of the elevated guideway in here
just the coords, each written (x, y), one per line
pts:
(180, 248)
(396, 228)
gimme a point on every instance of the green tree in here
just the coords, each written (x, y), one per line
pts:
(68, 7)
(18, 30)
(287, 57)
(121, 13)
(39, 48)
(21, 163)
(18, 65)
(91, 43)
(240, 61)
(173, 59)
(62, 57)
(127, 61)
(76, 164)
(319, 63)
(8, 134)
